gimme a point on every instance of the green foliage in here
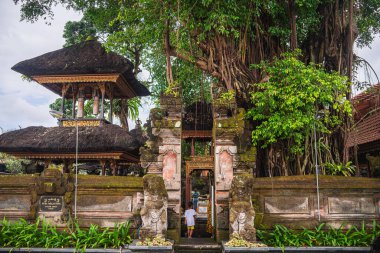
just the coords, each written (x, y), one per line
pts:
(88, 104)
(368, 21)
(226, 98)
(78, 31)
(281, 236)
(41, 234)
(133, 106)
(172, 89)
(14, 165)
(224, 17)
(56, 105)
(286, 106)
(340, 169)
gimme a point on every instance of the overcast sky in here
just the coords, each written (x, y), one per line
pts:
(25, 103)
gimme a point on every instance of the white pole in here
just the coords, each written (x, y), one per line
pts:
(317, 172)
(76, 170)
(212, 205)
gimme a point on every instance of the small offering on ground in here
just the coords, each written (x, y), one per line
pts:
(237, 241)
(156, 241)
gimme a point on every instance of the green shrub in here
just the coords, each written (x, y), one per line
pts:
(282, 236)
(41, 234)
(340, 169)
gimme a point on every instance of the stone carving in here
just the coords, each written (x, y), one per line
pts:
(226, 169)
(154, 212)
(52, 182)
(374, 163)
(169, 169)
(242, 214)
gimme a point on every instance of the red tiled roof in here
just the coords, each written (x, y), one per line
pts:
(366, 101)
(366, 126)
(366, 130)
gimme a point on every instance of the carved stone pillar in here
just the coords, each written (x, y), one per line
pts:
(162, 156)
(242, 214)
(227, 128)
(154, 212)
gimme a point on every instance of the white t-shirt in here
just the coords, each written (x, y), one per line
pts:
(189, 215)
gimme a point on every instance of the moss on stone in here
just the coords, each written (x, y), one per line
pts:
(86, 181)
(173, 234)
(165, 123)
(308, 181)
(17, 180)
(249, 155)
(154, 183)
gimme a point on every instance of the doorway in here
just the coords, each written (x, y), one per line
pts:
(198, 189)
(197, 180)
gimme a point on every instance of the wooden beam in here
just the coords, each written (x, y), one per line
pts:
(76, 78)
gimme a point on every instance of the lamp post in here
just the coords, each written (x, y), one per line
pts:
(317, 171)
(76, 169)
(316, 116)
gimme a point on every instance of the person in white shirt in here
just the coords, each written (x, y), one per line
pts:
(190, 220)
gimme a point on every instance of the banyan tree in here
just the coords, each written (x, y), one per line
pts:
(225, 40)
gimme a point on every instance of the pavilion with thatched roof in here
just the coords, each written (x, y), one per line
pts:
(80, 72)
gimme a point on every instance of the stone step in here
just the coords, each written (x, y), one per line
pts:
(195, 245)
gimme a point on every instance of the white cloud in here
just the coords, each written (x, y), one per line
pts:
(23, 103)
(15, 112)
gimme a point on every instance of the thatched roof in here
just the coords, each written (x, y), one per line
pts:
(86, 58)
(107, 138)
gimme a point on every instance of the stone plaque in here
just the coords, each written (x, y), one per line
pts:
(101, 203)
(287, 205)
(51, 203)
(351, 205)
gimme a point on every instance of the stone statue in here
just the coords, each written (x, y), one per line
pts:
(374, 163)
(242, 214)
(154, 212)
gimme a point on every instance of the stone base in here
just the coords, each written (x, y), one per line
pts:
(222, 235)
(173, 234)
(226, 249)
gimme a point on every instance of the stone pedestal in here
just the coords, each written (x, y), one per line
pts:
(242, 214)
(51, 197)
(154, 212)
(162, 155)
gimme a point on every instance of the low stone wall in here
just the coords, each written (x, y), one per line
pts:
(101, 200)
(292, 201)
(108, 200)
(15, 197)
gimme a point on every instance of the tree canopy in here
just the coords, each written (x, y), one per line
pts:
(194, 44)
(223, 38)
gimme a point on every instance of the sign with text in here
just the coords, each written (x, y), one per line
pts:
(51, 203)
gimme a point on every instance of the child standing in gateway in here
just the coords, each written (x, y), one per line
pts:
(190, 220)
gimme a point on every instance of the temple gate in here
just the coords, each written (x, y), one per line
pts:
(219, 129)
